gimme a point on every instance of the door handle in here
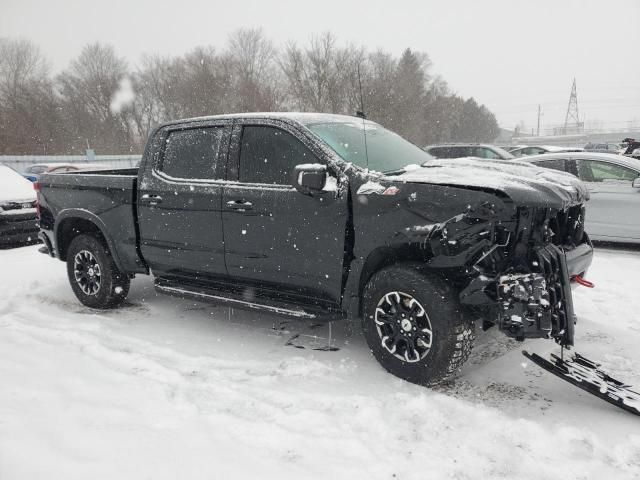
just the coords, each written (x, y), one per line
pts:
(239, 205)
(151, 199)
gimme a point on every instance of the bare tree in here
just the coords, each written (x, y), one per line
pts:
(28, 113)
(252, 56)
(317, 75)
(39, 115)
(87, 88)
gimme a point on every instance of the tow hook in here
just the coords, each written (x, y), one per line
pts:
(583, 281)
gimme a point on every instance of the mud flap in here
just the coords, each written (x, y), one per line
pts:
(586, 374)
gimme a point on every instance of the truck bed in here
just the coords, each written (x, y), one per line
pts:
(106, 197)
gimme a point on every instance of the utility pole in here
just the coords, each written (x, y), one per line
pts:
(538, 134)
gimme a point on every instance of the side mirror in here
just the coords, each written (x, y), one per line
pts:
(636, 183)
(309, 178)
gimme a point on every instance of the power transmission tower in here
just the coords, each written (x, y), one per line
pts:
(572, 117)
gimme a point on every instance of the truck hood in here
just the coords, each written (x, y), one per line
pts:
(525, 184)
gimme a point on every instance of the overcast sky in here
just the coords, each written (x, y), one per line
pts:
(509, 55)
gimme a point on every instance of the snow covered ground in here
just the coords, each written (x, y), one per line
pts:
(167, 388)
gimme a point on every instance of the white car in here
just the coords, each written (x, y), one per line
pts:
(613, 212)
(524, 151)
(17, 208)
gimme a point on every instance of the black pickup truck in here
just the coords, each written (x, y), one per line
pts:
(324, 217)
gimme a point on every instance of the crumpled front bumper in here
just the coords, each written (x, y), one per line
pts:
(540, 304)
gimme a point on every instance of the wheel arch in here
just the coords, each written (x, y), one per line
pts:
(386, 256)
(71, 223)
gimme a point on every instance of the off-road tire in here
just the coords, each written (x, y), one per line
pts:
(453, 329)
(114, 284)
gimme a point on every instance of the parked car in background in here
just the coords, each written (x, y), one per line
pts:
(613, 212)
(17, 208)
(524, 151)
(32, 171)
(606, 147)
(461, 150)
(631, 148)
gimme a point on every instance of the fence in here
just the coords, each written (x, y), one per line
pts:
(21, 162)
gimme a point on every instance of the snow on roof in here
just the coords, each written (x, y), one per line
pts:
(306, 118)
(14, 187)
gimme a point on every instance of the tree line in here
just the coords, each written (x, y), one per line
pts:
(99, 101)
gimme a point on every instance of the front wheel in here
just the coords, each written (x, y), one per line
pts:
(94, 277)
(415, 326)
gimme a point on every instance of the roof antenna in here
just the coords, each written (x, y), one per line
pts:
(360, 113)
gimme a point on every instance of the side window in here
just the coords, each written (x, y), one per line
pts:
(484, 152)
(594, 171)
(461, 152)
(268, 155)
(437, 152)
(192, 153)
(556, 164)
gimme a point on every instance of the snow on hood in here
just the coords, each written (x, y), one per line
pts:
(14, 187)
(524, 183)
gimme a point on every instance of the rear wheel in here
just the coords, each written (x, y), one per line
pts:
(94, 277)
(415, 325)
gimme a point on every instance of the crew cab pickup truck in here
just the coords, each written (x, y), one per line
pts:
(325, 217)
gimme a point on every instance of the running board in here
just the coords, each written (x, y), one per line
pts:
(587, 375)
(233, 300)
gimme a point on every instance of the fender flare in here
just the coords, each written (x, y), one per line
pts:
(80, 213)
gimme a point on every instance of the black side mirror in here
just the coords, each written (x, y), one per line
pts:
(309, 178)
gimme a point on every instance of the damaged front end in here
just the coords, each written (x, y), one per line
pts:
(515, 267)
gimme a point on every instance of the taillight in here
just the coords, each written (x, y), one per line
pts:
(36, 186)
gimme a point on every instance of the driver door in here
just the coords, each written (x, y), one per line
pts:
(273, 234)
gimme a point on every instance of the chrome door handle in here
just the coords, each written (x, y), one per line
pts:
(239, 205)
(151, 199)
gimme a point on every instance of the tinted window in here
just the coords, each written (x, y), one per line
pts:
(450, 152)
(536, 151)
(594, 171)
(556, 164)
(192, 153)
(268, 155)
(437, 152)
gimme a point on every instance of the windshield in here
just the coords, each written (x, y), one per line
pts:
(504, 155)
(387, 151)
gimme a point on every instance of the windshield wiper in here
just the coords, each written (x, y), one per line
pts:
(399, 171)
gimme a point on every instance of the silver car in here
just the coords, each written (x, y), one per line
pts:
(613, 212)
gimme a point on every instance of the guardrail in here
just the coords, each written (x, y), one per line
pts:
(21, 162)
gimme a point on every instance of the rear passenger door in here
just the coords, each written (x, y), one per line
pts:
(179, 201)
(275, 235)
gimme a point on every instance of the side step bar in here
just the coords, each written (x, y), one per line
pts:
(233, 299)
(587, 375)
